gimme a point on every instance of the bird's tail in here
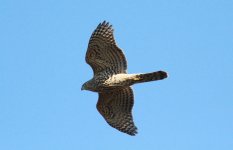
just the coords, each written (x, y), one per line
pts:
(147, 77)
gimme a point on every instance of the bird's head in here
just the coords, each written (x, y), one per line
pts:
(87, 85)
(84, 86)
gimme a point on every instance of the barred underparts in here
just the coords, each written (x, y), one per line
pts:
(111, 80)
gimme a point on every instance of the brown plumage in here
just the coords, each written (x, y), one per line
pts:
(111, 80)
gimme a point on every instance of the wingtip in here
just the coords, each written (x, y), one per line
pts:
(106, 23)
(133, 132)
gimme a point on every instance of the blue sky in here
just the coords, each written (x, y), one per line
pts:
(42, 67)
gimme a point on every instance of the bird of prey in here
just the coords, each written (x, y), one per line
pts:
(111, 80)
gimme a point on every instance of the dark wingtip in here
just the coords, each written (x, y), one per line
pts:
(133, 133)
(106, 23)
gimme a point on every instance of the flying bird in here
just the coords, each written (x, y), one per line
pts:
(111, 81)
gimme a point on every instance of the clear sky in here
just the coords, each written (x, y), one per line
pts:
(42, 67)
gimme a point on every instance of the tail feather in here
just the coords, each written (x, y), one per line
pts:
(153, 76)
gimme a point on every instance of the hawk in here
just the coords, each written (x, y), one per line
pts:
(111, 80)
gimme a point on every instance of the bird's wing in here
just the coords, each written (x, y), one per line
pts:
(116, 108)
(103, 53)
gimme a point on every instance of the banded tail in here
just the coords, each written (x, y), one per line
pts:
(153, 76)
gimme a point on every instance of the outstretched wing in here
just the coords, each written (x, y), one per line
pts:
(116, 108)
(103, 53)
